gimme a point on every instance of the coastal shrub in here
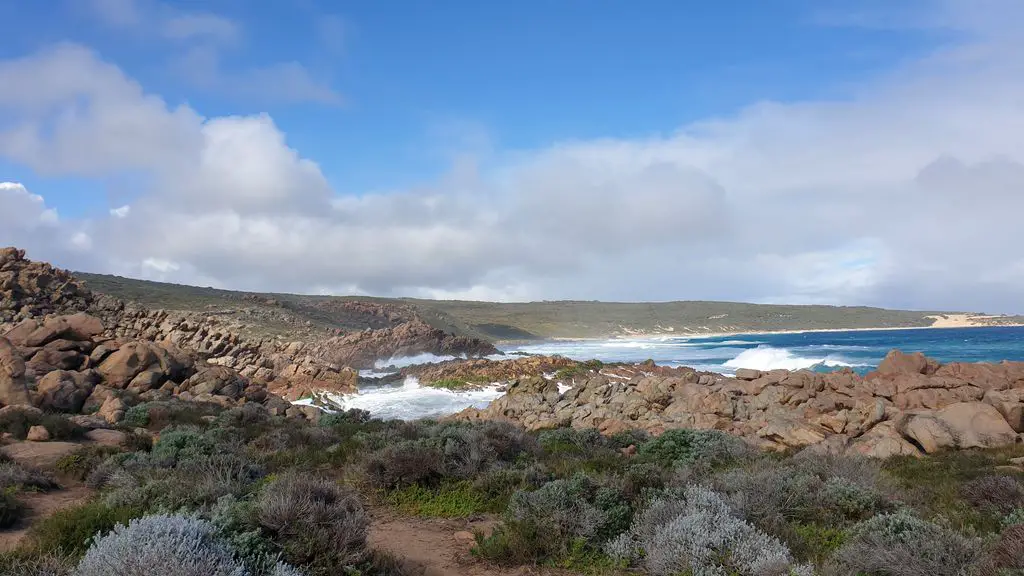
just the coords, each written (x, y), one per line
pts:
(775, 495)
(68, 531)
(24, 563)
(627, 438)
(497, 485)
(1008, 552)
(449, 500)
(194, 483)
(158, 414)
(403, 464)
(350, 416)
(319, 525)
(570, 441)
(695, 532)
(236, 521)
(465, 452)
(901, 544)
(562, 517)
(160, 546)
(60, 428)
(80, 463)
(684, 446)
(180, 444)
(244, 416)
(1015, 517)
(11, 509)
(17, 477)
(997, 494)
(508, 441)
(17, 422)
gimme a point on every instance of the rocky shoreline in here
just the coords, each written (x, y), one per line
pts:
(911, 405)
(65, 349)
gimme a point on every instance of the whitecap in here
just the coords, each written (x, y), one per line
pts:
(411, 401)
(768, 358)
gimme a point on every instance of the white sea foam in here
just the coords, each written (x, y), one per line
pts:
(410, 401)
(768, 358)
(373, 373)
(404, 361)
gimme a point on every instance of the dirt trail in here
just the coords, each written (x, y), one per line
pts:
(439, 547)
(40, 505)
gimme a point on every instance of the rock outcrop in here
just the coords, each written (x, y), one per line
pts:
(47, 311)
(66, 364)
(908, 406)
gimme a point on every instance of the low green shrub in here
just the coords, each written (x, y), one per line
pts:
(319, 525)
(80, 463)
(60, 428)
(181, 444)
(457, 500)
(561, 518)
(17, 423)
(69, 531)
(901, 544)
(11, 509)
(694, 531)
(404, 464)
(685, 446)
(28, 563)
(14, 476)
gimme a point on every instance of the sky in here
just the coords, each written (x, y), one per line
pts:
(779, 151)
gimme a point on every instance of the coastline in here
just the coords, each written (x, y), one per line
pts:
(938, 325)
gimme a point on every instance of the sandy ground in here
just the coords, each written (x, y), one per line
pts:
(43, 456)
(440, 547)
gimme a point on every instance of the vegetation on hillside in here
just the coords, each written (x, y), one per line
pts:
(290, 314)
(241, 492)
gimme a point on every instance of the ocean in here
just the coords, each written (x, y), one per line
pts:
(860, 350)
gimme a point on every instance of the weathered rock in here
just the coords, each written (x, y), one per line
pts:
(747, 374)
(896, 362)
(106, 437)
(962, 425)
(79, 327)
(112, 410)
(38, 434)
(13, 389)
(882, 441)
(792, 432)
(65, 391)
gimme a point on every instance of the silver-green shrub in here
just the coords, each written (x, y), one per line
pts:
(695, 532)
(160, 546)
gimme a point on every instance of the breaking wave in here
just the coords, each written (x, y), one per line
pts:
(768, 358)
(410, 400)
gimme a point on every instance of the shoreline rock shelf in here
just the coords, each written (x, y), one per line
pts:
(909, 406)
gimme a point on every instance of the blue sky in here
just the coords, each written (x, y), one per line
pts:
(768, 150)
(418, 81)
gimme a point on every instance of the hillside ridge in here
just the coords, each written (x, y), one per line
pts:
(291, 315)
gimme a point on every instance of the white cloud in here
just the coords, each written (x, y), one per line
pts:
(121, 212)
(906, 194)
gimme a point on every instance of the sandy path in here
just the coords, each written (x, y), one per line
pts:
(439, 547)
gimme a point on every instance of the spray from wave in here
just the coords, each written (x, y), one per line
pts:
(411, 401)
(768, 358)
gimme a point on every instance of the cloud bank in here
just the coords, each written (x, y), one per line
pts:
(908, 193)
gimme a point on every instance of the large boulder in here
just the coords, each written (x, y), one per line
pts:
(791, 432)
(120, 368)
(65, 391)
(897, 362)
(961, 425)
(217, 380)
(13, 390)
(882, 441)
(79, 326)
